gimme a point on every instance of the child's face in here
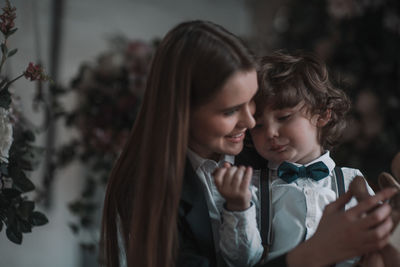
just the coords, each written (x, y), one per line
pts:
(288, 134)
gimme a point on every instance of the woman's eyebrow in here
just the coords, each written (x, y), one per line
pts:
(233, 107)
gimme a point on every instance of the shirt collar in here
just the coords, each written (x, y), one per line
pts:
(325, 158)
(198, 161)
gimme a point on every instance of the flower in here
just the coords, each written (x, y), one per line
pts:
(6, 135)
(7, 19)
(35, 72)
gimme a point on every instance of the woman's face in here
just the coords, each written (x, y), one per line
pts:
(218, 127)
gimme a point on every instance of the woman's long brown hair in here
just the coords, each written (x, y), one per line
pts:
(190, 65)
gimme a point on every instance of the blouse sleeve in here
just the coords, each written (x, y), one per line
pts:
(240, 240)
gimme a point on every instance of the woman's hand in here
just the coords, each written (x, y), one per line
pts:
(346, 234)
(233, 184)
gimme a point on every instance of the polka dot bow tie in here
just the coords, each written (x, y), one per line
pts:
(290, 172)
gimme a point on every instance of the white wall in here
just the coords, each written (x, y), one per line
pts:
(87, 23)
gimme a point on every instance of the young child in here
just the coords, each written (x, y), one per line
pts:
(299, 117)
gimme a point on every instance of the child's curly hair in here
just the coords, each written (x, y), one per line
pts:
(285, 80)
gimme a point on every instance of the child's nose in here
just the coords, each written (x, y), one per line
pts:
(271, 131)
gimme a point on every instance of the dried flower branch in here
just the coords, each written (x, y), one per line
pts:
(17, 153)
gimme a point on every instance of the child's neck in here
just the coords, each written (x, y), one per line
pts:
(272, 163)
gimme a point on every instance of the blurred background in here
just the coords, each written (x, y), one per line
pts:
(97, 53)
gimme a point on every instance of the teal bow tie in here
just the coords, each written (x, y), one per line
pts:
(290, 172)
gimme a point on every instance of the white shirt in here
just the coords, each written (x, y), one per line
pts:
(297, 210)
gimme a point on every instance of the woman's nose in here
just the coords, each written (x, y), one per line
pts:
(247, 120)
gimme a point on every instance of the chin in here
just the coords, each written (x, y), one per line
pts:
(285, 157)
(233, 150)
(277, 159)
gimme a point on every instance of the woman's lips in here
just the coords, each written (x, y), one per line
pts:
(236, 138)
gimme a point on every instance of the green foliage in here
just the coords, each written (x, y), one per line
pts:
(5, 98)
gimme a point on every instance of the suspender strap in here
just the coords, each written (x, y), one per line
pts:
(339, 181)
(265, 208)
(339, 185)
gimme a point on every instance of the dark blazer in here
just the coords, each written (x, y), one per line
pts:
(196, 244)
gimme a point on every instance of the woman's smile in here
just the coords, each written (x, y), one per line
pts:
(236, 138)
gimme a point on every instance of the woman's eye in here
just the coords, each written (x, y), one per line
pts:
(230, 112)
(258, 126)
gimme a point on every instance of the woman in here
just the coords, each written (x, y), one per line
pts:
(160, 198)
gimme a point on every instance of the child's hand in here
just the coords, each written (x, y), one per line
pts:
(233, 184)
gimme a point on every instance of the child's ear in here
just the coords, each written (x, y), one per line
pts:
(324, 118)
